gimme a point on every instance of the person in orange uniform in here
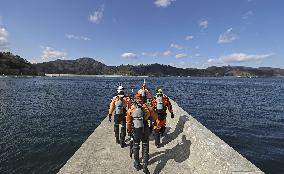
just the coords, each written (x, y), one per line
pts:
(119, 105)
(137, 123)
(145, 92)
(160, 104)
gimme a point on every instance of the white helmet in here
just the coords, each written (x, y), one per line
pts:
(120, 89)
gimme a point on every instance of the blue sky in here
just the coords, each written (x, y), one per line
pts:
(182, 33)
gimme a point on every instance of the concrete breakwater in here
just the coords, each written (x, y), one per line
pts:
(188, 147)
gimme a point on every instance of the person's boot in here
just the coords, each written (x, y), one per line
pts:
(157, 138)
(116, 132)
(162, 130)
(146, 170)
(145, 154)
(122, 137)
(137, 164)
(117, 140)
(122, 142)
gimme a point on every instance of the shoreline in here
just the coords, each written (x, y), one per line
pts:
(118, 76)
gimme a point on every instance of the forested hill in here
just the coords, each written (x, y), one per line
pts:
(84, 66)
(15, 65)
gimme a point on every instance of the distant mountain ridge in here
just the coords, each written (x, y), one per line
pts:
(15, 65)
(85, 65)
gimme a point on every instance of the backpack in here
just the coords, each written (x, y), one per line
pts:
(160, 105)
(138, 117)
(119, 106)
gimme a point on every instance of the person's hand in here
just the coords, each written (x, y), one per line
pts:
(172, 115)
(109, 117)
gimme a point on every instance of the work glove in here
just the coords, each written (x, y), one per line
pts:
(109, 117)
(172, 115)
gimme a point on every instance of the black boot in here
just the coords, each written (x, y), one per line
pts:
(162, 130)
(137, 164)
(122, 142)
(145, 154)
(146, 170)
(116, 132)
(117, 140)
(157, 137)
(122, 136)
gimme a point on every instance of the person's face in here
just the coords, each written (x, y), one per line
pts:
(138, 99)
(120, 93)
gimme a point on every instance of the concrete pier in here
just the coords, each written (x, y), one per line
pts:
(188, 147)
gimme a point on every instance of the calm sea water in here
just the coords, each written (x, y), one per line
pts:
(43, 121)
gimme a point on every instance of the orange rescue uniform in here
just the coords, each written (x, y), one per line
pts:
(167, 104)
(126, 103)
(148, 112)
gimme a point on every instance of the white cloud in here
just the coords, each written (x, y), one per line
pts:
(163, 3)
(151, 54)
(247, 14)
(129, 55)
(72, 36)
(156, 54)
(203, 24)
(197, 55)
(189, 37)
(179, 47)
(167, 53)
(227, 37)
(49, 54)
(182, 55)
(3, 37)
(97, 15)
(238, 57)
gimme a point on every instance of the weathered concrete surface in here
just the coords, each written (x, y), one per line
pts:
(188, 147)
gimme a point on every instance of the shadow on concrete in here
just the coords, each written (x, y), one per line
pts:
(179, 153)
(151, 137)
(167, 130)
(178, 130)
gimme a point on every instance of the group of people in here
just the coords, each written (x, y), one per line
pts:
(139, 116)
